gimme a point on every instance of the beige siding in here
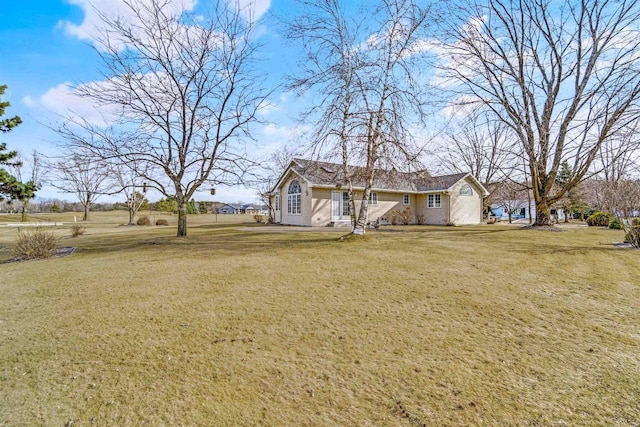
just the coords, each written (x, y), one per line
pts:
(387, 204)
(296, 219)
(320, 207)
(316, 206)
(434, 216)
(466, 210)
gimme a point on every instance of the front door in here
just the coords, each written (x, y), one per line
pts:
(339, 205)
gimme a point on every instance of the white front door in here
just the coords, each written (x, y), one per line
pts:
(339, 205)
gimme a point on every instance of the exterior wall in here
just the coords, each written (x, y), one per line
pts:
(295, 219)
(466, 210)
(387, 204)
(316, 206)
(433, 216)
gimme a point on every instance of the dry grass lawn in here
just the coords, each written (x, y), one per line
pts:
(437, 326)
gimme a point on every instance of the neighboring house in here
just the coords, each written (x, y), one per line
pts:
(521, 211)
(228, 209)
(311, 193)
(249, 209)
(233, 208)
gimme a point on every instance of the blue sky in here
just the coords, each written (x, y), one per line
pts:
(46, 48)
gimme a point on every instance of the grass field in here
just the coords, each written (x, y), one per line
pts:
(239, 325)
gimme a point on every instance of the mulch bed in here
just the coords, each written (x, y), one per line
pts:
(59, 253)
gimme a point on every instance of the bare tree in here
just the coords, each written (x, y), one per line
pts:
(481, 145)
(128, 182)
(29, 179)
(185, 92)
(80, 175)
(363, 69)
(563, 75)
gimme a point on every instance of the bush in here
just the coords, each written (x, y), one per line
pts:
(36, 244)
(635, 222)
(420, 219)
(633, 236)
(599, 219)
(258, 218)
(162, 221)
(404, 216)
(77, 230)
(144, 220)
(616, 223)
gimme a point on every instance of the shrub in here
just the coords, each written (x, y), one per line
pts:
(258, 218)
(144, 220)
(420, 219)
(36, 244)
(635, 222)
(77, 230)
(599, 219)
(162, 221)
(404, 216)
(616, 223)
(633, 236)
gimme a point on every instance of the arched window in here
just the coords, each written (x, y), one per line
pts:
(294, 198)
(466, 190)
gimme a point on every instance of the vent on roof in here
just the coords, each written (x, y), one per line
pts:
(327, 169)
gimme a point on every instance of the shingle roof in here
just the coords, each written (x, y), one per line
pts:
(331, 174)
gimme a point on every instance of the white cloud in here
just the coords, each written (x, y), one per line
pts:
(251, 9)
(461, 107)
(90, 28)
(65, 101)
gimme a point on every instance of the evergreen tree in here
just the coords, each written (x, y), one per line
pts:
(10, 186)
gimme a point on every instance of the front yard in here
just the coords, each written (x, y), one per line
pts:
(234, 325)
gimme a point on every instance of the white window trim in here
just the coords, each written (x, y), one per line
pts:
(373, 198)
(294, 200)
(435, 205)
(277, 202)
(406, 197)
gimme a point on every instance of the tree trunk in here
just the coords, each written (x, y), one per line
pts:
(543, 213)
(24, 213)
(510, 217)
(182, 219)
(361, 223)
(87, 209)
(131, 215)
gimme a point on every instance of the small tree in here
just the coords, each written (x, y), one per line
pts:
(86, 178)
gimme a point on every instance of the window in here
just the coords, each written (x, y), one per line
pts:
(433, 201)
(405, 199)
(294, 198)
(345, 204)
(466, 190)
(373, 198)
(277, 202)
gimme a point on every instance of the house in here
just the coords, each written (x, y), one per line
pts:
(249, 209)
(312, 193)
(229, 209)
